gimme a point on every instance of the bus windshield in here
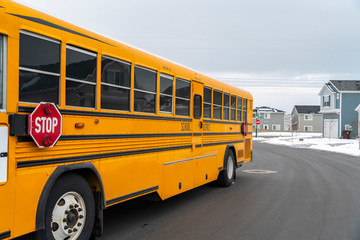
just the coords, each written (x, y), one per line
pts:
(1, 70)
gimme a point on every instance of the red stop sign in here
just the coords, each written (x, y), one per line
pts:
(45, 125)
(257, 122)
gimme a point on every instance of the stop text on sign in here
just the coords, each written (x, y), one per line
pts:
(45, 125)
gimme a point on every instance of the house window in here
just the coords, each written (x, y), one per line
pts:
(115, 84)
(166, 93)
(308, 117)
(326, 101)
(39, 69)
(265, 127)
(145, 90)
(275, 127)
(266, 115)
(80, 77)
(308, 128)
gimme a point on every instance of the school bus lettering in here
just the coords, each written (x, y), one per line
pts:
(206, 126)
(185, 127)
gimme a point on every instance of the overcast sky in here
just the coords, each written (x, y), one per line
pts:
(282, 51)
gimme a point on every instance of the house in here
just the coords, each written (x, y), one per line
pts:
(270, 118)
(338, 100)
(306, 118)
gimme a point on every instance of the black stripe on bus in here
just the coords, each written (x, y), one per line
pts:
(110, 136)
(221, 143)
(197, 145)
(2, 7)
(53, 25)
(131, 195)
(5, 235)
(96, 156)
(222, 133)
(103, 114)
(117, 136)
(223, 122)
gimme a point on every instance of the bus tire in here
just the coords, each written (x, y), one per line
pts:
(227, 175)
(70, 210)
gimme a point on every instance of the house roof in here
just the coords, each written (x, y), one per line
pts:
(346, 85)
(307, 109)
(268, 110)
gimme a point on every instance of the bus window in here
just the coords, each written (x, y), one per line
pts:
(197, 106)
(226, 106)
(1, 71)
(245, 110)
(80, 77)
(233, 107)
(145, 90)
(39, 68)
(166, 93)
(207, 102)
(182, 97)
(217, 106)
(239, 108)
(115, 84)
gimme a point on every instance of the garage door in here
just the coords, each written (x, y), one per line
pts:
(331, 128)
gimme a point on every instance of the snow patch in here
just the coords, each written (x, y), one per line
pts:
(310, 141)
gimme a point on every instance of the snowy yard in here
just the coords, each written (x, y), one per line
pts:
(310, 140)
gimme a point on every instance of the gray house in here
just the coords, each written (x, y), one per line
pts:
(306, 118)
(339, 98)
(270, 118)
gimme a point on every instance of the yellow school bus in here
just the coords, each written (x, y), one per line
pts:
(131, 123)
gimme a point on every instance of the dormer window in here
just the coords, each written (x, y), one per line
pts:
(326, 101)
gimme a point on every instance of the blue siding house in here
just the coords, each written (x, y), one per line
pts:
(338, 99)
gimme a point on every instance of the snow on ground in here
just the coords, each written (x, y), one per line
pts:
(311, 141)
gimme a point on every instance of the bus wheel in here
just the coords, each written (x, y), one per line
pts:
(70, 209)
(227, 176)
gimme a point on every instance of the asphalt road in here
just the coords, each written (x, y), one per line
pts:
(313, 195)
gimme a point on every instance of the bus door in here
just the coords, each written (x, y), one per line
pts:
(197, 128)
(203, 163)
(6, 189)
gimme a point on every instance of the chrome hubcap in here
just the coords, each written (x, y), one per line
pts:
(68, 217)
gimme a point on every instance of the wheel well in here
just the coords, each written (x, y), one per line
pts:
(88, 172)
(230, 148)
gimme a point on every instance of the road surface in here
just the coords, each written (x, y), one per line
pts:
(312, 195)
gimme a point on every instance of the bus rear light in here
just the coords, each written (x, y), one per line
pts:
(3, 153)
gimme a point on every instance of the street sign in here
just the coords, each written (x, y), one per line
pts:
(260, 117)
(45, 125)
(257, 122)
